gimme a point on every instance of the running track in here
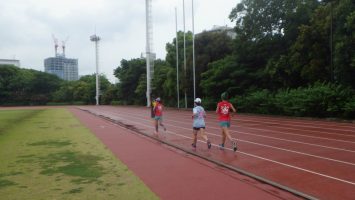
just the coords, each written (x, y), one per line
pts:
(313, 157)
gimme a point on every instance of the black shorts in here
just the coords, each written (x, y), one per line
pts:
(197, 129)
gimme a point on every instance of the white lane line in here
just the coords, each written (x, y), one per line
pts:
(284, 133)
(278, 148)
(312, 131)
(308, 136)
(314, 124)
(259, 144)
(270, 137)
(266, 159)
(319, 127)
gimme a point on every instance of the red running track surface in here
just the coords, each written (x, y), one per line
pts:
(314, 157)
(174, 174)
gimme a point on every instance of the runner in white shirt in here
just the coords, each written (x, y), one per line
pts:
(198, 117)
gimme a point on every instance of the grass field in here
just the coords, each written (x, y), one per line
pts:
(48, 154)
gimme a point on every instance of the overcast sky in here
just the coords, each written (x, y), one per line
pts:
(27, 27)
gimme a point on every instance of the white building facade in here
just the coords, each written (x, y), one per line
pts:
(10, 62)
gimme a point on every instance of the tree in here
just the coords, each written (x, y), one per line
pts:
(164, 82)
(85, 88)
(129, 74)
(42, 86)
(23, 86)
(210, 46)
(265, 31)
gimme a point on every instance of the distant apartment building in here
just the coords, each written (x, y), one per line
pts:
(10, 62)
(64, 68)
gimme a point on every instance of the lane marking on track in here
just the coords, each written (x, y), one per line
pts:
(284, 133)
(276, 138)
(269, 137)
(259, 157)
(232, 168)
(297, 129)
(335, 160)
(311, 124)
(349, 127)
(278, 148)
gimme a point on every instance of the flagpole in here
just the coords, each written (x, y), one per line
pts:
(177, 61)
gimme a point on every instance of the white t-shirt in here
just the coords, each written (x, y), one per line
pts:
(198, 116)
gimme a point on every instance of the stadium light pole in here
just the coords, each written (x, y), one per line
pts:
(193, 48)
(177, 60)
(96, 39)
(150, 56)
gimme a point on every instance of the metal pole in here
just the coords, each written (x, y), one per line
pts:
(96, 39)
(183, 5)
(148, 49)
(177, 61)
(193, 49)
(331, 43)
(97, 74)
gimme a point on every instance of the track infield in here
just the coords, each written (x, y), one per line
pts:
(48, 154)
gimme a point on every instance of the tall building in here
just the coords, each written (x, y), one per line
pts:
(10, 62)
(64, 68)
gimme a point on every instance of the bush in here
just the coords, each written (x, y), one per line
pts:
(318, 100)
(256, 102)
(349, 108)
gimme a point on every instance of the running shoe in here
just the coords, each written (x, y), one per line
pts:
(209, 144)
(221, 146)
(234, 146)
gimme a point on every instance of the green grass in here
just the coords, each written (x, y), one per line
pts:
(48, 154)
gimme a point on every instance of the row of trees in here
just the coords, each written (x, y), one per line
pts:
(299, 49)
(30, 87)
(281, 48)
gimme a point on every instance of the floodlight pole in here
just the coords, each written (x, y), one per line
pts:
(149, 49)
(193, 49)
(96, 39)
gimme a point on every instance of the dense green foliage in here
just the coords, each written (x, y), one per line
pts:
(83, 91)
(25, 86)
(318, 100)
(30, 87)
(287, 57)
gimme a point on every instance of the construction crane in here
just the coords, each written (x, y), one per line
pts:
(55, 45)
(63, 45)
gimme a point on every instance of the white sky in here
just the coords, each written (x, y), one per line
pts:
(27, 27)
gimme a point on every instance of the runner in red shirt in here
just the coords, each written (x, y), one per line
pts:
(224, 117)
(158, 115)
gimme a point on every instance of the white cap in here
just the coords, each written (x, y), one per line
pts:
(197, 100)
(157, 99)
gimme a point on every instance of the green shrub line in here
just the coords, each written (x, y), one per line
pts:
(321, 100)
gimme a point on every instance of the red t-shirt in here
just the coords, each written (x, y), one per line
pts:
(223, 109)
(158, 109)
